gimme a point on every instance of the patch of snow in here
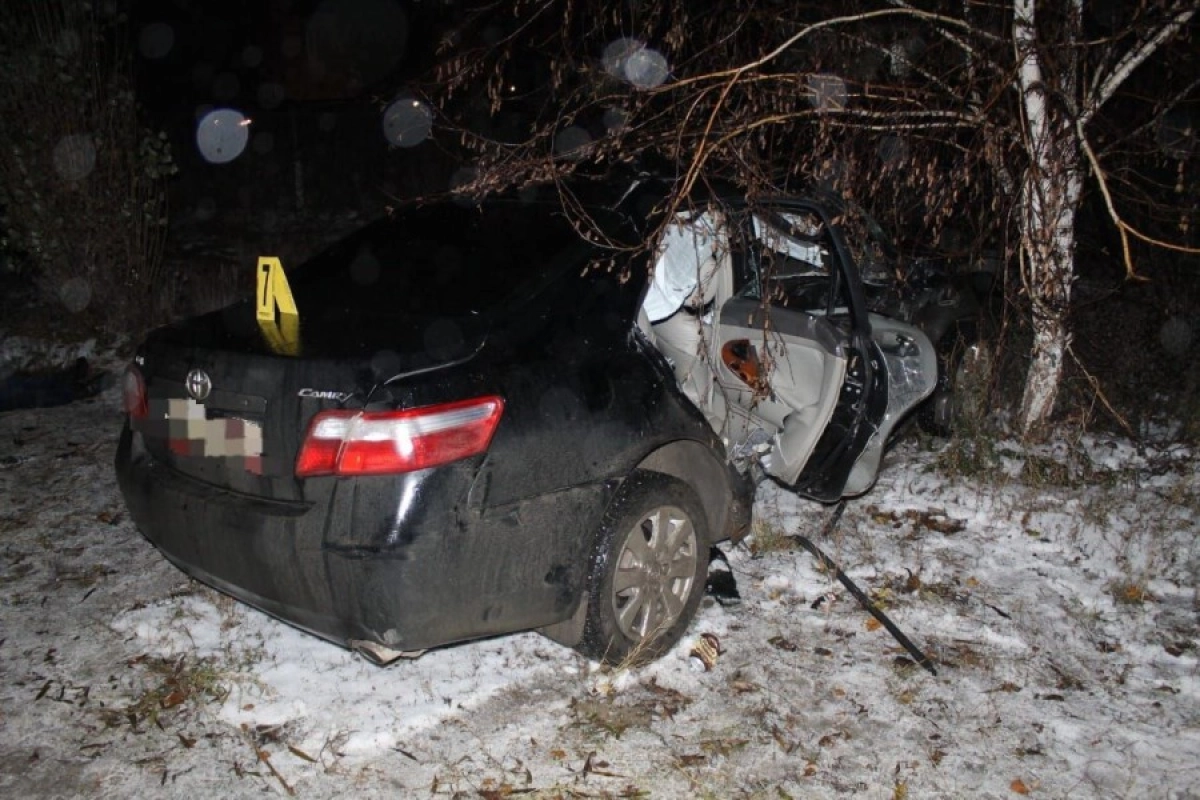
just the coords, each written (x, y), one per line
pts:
(1048, 675)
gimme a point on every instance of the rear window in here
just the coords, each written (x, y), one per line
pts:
(796, 265)
(447, 259)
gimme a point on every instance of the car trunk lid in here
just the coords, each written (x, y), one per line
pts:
(230, 397)
(225, 409)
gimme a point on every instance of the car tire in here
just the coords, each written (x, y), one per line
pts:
(648, 571)
(937, 415)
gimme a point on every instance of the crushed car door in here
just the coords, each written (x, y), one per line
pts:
(792, 357)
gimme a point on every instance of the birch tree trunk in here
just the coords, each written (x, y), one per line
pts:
(1050, 192)
(1049, 200)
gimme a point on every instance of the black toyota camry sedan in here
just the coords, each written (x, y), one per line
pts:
(476, 418)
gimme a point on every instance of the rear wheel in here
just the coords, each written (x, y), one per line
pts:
(648, 570)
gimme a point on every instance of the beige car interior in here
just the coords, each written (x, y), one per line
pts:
(748, 368)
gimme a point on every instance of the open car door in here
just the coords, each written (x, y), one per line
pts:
(791, 360)
(805, 374)
(761, 315)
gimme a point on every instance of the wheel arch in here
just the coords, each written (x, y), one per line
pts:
(726, 496)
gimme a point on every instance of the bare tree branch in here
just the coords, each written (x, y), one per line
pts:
(1180, 16)
(1123, 228)
(1164, 107)
(953, 38)
(737, 72)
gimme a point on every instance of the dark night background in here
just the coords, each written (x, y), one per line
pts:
(317, 79)
(312, 77)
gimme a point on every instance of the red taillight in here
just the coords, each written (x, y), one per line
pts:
(384, 442)
(133, 391)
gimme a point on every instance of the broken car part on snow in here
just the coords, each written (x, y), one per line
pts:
(830, 565)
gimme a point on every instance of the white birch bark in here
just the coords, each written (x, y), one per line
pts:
(1050, 192)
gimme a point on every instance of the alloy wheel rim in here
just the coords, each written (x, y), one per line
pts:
(655, 570)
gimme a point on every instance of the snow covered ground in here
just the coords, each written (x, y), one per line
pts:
(1058, 597)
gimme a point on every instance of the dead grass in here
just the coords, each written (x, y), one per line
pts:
(604, 716)
(1129, 592)
(612, 715)
(1046, 471)
(767, 536)
(172, 685)
(934, 520)
(972, 455)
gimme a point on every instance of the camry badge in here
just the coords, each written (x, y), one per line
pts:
(318, 394)
(198, 384)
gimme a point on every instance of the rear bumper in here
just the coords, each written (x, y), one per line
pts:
(345, 567)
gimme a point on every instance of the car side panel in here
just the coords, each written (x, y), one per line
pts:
(440, 577)
(568, 438)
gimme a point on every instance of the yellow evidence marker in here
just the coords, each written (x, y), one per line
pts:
(277, 314)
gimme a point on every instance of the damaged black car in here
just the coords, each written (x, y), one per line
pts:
(476, 418)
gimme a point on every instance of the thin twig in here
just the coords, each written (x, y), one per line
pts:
(265, 758)
(1123, 227)
(1094, 383)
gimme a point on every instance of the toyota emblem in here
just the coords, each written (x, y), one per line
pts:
(198, 384)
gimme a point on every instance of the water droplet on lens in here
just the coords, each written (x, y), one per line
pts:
(156, 40)
(407, 121)
(75, 156)
(830, 175)
(354, 43)
(616, 53)
(902, 55)
(646, 68)
(462, 177)
(631, 60)
(68, 43)
(75, 294)
(1176, 134)
(221, 135)
(572, 141)
(615, 118)
(385, 364)
(271, 95)
(827, 92)
(206, 209)
(1176, 336)
(892, 150)
(252, 56)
